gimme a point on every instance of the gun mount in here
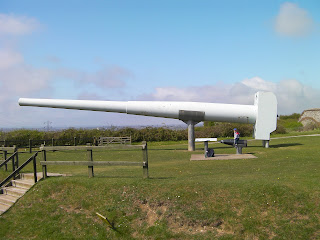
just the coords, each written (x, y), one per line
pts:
(241, 144)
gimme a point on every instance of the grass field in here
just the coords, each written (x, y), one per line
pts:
(275, 196)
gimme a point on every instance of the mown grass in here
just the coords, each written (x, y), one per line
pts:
(275, 196)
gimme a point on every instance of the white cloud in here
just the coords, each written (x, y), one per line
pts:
(108, 77)
(17, 25)
(20, 79)
(9, 58)
(174, 93)
(259, 84)
(17, 77)
(293, 96)
(24, 79)
(193, 94)
(293, 21)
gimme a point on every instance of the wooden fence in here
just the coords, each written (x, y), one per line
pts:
(5, 151)
(36, 143)
(90, 163)
(114, 140)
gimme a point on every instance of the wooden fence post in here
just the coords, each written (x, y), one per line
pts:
(15, 149)
(74, 141)
(17, 159)
(90, 158)
(44, 167)
(13, 165)
(145, 159)
(30, 145)
(35, 169)
(5, 158)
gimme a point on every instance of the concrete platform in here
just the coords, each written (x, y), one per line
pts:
(199, 157)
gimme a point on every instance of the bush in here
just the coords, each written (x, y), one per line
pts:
(225, 130)
(294, 116)
(280, 130)
(292, 124)
(208, 123)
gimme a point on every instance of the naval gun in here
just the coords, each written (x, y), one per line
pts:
(263, 114)
(241, 144)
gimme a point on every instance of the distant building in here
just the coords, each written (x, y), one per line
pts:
(310, 116)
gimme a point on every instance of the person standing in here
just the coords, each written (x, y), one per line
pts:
(236, 136)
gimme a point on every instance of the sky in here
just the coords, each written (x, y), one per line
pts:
(168, 50)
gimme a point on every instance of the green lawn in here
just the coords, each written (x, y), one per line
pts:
(275, 196)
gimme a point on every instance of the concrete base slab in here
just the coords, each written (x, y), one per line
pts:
(56, 175)
(199, 157)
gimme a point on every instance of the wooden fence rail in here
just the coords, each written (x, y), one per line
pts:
(90, 163)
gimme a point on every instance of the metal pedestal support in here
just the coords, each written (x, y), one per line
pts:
(191, 118)
(265, 143)
(191, 138)
(239, 149)
(205, 146)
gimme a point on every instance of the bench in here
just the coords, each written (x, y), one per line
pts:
(206, 140)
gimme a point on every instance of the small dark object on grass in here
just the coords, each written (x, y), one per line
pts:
(209, 153)
(106, 220)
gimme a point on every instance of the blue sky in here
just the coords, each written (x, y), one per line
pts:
(210, 51)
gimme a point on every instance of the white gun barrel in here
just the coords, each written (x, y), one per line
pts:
(212, 111)
(263, 113)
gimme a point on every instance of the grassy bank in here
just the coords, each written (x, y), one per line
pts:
(275, 196)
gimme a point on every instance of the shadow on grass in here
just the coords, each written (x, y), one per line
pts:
(285, 145)
(169, 149)
(131, 177)
(278, 145)
(159, 178)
